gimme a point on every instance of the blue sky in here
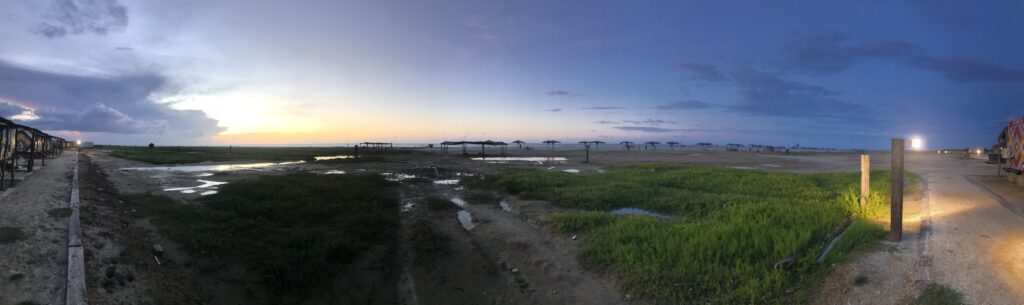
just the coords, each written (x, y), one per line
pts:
(815, 73)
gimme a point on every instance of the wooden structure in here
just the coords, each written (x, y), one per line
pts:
(21, 146)
(672, 144)
(518, 143)
(502, 146)
(378, 146)
(653, 144)
(552, 143)
(627, 145)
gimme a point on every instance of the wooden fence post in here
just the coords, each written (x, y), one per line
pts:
(896, 196)
(865, 179)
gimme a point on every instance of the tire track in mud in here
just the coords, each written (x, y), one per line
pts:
(924, 258)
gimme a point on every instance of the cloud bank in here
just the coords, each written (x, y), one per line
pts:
(120, 104)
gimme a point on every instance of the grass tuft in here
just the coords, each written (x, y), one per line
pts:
(936, 294)
(9, 235)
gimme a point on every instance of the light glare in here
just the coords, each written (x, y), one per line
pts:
(916, 143)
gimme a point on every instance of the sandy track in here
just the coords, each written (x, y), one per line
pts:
(33, 269)
(975, 243)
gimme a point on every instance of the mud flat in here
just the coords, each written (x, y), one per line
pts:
(503, 252)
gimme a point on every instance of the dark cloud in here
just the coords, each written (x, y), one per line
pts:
(563, 93)
(554, 110)
(8, 109)
(643, 129)
(704, 72)
(76, 17)
(832, 52)
(649, 122)
(606, 122)
(97, 104)
(688, 104)
(602, 108)
(766, 94)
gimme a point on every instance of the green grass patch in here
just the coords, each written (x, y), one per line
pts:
(292, 230)
(194, 154)
(729, 226)
(936, 294)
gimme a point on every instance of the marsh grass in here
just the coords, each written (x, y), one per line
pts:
(194, 154)
(936, 294)
(292, 230)
(729, 228)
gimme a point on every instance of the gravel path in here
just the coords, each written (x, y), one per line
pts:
(33, 235)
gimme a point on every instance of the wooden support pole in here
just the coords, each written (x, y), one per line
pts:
(896, 196)
(865, 179)
(588, 153)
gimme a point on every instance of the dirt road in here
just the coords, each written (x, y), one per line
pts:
(33, 235)
(966, 232)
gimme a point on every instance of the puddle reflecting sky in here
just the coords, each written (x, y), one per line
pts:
(637, 211)
(539, 160)
(211, 168)
(321, 158)
(207, 187)
(466, 220)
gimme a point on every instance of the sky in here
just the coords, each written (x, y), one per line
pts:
(846, 74)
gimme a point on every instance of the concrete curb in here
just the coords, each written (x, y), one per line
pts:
(75, 284)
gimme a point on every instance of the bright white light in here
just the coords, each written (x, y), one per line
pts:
(79, 142)
(979, 151)
(916, 143)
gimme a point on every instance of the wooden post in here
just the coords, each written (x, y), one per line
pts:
(588, 153)
(865, 179)
(896, 196)
(355, 155)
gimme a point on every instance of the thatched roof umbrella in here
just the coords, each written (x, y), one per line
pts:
(597, 144)
(653, 144)
(627, 144)
(672, 144)
(518, 142)
(552, 143)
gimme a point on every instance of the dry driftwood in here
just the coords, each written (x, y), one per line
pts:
(790, 261)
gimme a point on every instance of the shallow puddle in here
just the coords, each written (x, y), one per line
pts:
(741, 167)
(539, 160)
(211, 168)
(771, 165)
(407, 206)
(459, 202)
(321, 158)
(638, 211)
(396, 177)
(334, 172)
(447, 181)
(208, 188)
(571, 170)
(466, 220)
(505, 206)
